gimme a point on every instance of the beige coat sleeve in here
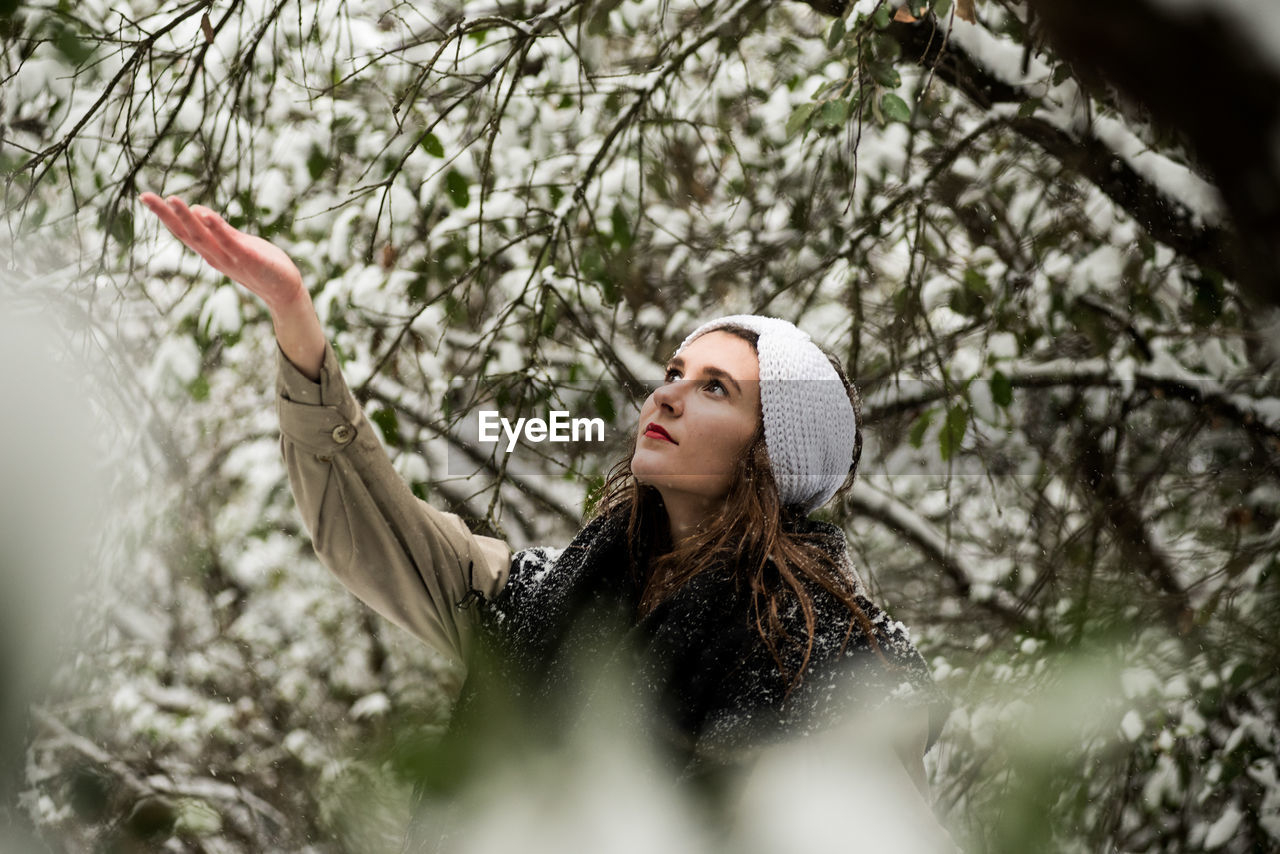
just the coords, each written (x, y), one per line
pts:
(410, 562)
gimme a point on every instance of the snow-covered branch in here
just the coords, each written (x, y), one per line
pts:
(1207, 70)
(1258, 416)
(921, 533)
(1174, 204)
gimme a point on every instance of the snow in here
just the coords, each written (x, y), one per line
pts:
(1002, 346)
(1192, 724)
(176, 362)
(863, 8)
(1139, 682)
(1176, 181)
(599, 795)
(1164, 785)
(1064, 105)
(1222, 830)
(1132, 726)
(371, 705)
(221, 311)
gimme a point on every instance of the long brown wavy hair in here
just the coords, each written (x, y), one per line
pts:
(753, 534)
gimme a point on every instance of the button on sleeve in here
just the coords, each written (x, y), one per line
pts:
(319, 417)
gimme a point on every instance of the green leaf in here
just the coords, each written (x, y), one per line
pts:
(918, 429)
(885, 47)
(1061, 73)
(317, 162)
(621, 228)
(118, 223)
(71, 46)
(977, 283)
(882, 16)
(1208, 301)
(550, 320)
(199, 387)
(604, 405)
(971, 300)
(894, 109)
(609, 289)
(458, 188)
(886, 75)
(836, 34)
(431, 145)
(953, 429)
(1001, 389)
(966, 303)
(942, 8)
(389, 424)
(595, 491)
(1028, 108)
(835, 113)
(799, 118)
(592, 262)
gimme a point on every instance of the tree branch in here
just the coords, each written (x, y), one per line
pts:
(917, 530)
(1225, 104)
(929, 44)
(1124, 518)
(1097, 373)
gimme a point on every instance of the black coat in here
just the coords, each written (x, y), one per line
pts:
(697, 658)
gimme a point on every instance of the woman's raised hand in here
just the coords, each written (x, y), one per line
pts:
(261, 267)
(253, 262)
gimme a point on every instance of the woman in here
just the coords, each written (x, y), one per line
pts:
(751, 622)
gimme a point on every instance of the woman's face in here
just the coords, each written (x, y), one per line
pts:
(699, 422)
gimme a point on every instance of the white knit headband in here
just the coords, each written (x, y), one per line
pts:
(810, 428)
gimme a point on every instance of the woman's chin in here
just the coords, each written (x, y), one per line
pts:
(648, 470)
(670, 484)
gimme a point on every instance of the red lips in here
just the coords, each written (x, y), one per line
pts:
(655, 431)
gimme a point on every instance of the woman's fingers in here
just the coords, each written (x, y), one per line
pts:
(161, 209)
(236, 247)
(201, 240)
(218, 229)
(178, 219)
(188, 220)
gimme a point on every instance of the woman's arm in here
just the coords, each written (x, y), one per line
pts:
(407, 560)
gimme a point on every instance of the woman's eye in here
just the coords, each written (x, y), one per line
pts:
(716, 386)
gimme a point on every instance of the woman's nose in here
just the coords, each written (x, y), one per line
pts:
(669, 396)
